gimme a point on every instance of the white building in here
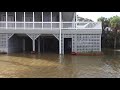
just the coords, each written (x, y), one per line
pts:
(22, 31)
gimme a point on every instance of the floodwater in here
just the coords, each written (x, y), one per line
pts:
(50, 65)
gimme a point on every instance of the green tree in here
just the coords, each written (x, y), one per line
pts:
(105, 22)
(105, 36)
(115, 25)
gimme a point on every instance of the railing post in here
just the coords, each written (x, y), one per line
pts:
(6, 20)
(15, 20)
(23, 44)
(24, 20)
(76, 20)
(33, 20)
(51, 20)
(42, 20)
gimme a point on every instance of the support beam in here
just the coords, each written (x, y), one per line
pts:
(33, 45)
(39, 44)
(100, 44)
(60, 52)
(10, 35)
(7, 45)
(23, 45)
(43, 44)
(33, 37)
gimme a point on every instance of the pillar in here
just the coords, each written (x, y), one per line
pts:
(33, 45)
(23, 45)
(100, 43)
(39, 44)
(33, 37)
(60, 52)
(43, 44)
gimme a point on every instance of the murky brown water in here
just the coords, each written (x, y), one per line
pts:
(55, 66)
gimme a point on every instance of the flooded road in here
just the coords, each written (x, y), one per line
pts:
(56, 66)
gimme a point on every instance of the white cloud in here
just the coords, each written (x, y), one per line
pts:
(95, 15)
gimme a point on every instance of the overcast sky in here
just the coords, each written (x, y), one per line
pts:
(95, 15)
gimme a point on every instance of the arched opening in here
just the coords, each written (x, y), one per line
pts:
(19, 43)
(47, 43)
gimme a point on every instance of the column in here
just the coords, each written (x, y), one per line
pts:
(33, 45)
(39, 44)
(15, 20)
(62, 43)
(100, 43)
(7, 42)
(43, 44)
(23, 45)
(6, 20)
(60, 34)
(33, 37)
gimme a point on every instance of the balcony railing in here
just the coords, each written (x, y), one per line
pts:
(50, 25)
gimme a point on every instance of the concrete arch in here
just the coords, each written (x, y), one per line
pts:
(47, 43)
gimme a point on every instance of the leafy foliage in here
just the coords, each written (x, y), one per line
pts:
(110, 38)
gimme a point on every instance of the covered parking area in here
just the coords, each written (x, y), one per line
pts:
(44, 43)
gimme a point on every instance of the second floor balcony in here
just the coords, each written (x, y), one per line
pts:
(50, 25)
(44, 20)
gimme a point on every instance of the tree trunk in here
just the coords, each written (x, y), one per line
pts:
(115, 42)
(115, 38)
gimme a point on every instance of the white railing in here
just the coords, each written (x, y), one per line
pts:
(2, 24)
(89, 25)
(19, 25)
(51, 25)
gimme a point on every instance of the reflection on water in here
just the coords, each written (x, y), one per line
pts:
(60, 66)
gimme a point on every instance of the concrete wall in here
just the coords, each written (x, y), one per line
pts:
(82, 42)
(3, 43)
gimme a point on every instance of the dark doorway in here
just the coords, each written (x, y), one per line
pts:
(67, 45)
(48, 44)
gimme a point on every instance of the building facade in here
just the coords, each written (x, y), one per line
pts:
(78, 36)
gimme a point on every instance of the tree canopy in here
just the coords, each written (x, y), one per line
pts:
(110, 36)
(105, 22)
(115, 22)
